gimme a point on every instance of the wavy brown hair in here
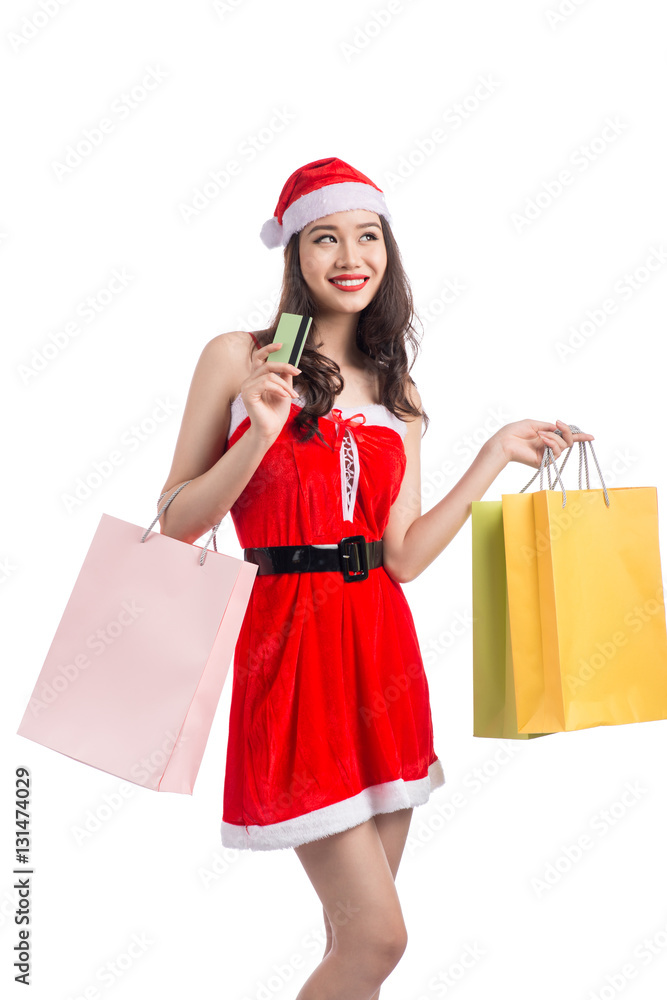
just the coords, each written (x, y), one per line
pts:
(384, 331)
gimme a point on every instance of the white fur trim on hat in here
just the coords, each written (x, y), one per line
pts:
(271, 233)
(343, 197)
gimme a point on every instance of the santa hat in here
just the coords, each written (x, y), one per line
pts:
(317, 189)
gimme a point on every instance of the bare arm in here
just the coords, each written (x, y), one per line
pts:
(211, 495)
(432, 532)
(217, 479)
(412, 540)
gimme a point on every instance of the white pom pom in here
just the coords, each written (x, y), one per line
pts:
(271, 233)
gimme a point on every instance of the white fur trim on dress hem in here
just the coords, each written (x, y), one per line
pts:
(384, 798)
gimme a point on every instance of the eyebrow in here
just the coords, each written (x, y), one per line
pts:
(362, 225)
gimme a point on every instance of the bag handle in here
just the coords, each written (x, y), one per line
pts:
(160, 512)
(548, 457)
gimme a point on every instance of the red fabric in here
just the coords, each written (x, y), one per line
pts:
(329, 692)
(315, 175)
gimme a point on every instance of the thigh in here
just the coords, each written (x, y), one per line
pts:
(393, 830)
(352, 876)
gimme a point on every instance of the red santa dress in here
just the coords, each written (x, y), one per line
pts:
(330, 719)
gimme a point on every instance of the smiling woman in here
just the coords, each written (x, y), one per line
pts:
(330, 733)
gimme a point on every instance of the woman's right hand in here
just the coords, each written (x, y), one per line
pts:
(268, 392)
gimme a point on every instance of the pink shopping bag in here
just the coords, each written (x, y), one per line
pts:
(134, 673)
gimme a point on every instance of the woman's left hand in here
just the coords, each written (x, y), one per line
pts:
(525, 440)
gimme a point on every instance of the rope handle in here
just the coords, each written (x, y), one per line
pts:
(548, 457)
(160, 512)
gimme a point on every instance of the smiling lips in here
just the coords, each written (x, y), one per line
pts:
(349, 282)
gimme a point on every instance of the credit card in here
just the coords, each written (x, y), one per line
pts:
(291, 332)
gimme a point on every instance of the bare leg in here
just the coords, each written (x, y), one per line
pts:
(353, 874)
(393, 830)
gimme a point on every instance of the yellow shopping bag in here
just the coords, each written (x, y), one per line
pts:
(586, 605)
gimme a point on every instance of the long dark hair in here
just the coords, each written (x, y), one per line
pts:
(384, 330)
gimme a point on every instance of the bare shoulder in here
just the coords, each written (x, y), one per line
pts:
(223, 365)
(230, 353)
(414, 423)
(239, 341)
(413, 394)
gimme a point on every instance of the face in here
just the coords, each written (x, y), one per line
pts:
(343, 258)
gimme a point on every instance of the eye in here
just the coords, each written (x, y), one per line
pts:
(329, 236)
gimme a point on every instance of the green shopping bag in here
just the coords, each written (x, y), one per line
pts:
(494, 697)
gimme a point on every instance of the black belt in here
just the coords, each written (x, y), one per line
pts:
(353, 557)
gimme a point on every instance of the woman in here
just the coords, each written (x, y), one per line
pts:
(330, 737)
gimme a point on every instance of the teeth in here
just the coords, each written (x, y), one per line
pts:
(351, 281)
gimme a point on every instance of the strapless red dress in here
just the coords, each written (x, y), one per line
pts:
(330, 719)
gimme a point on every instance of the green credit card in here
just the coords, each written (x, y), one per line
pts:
(291, 332)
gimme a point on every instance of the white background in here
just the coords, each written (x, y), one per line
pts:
(369, 87)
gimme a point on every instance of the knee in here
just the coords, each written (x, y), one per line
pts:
(385, 946)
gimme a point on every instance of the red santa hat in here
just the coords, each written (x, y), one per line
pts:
(317, 189)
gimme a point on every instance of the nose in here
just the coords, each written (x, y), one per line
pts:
(348, 254)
